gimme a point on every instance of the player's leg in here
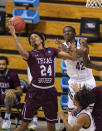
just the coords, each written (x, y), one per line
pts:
(9, 102)
(30, 108)
(33, 124)
(22, 127)
(51, 108)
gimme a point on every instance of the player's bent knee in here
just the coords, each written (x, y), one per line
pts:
(10, 100)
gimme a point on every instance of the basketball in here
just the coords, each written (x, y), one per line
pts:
(19, 23)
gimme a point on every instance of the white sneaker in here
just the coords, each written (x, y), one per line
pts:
(32, 126)
(6, 124)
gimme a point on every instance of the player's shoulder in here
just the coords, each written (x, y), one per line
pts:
(85, 113)
(11, 73)
(97, 90)
(51, 49)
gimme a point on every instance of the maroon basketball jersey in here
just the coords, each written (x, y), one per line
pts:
(41, 64)
(9, 81)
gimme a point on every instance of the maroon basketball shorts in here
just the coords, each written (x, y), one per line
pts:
(45, 98)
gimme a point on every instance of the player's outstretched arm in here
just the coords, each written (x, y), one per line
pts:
(65, 55)
(19, 47)
(61, 46)
(71, 55)
(94, 65)
(87, 62)
(90, 64)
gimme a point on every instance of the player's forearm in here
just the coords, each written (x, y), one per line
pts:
(67, 126)
(79, 52)
(18, 92)
(65, 55)
(19, 47)
(95, 66)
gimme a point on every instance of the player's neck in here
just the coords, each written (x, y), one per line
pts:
(40, 47)
(4, 73)
(79, 108)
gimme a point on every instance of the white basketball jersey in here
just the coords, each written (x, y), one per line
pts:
(76, 69)
(92, 124)
(79, 74)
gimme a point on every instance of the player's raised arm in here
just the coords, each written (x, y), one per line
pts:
(65, 55)
(90, 64)
(19, 47)
(87, 62)
(94, 65)
(61, 46)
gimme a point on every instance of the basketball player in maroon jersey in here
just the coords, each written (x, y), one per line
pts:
(41, 91)
(10, 90)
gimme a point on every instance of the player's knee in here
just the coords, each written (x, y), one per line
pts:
(10, 99)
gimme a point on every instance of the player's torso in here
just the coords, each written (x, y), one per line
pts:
(76, 69)
(42, 67)
(5, 83)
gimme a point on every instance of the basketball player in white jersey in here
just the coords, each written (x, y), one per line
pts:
(83, 119)
(76, 70)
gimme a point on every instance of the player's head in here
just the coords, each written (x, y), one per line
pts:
(69, 33)
(3, 64)
(44, 36)
(36, 40)
(84, 98)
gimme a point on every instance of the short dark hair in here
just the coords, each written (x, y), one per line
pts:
(4, 58)
(85, 97)
(44, 35)
(41, 35)
(73, 29)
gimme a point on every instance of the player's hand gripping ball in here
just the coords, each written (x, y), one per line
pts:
(18, 22)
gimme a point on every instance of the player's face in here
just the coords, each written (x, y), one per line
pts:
(75, 102)
(3, 66)
(68, 34)
(36, 41)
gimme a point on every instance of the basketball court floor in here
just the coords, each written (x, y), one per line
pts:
(42, 125)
